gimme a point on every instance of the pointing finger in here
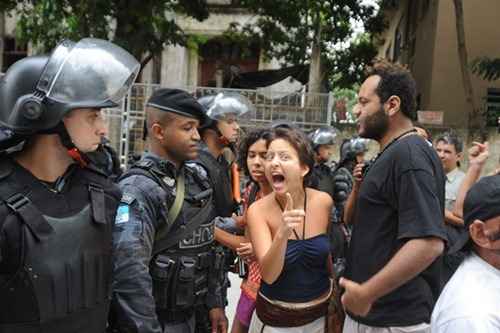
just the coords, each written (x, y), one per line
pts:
(289, 202)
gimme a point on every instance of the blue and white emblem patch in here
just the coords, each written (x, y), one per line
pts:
(122, 214)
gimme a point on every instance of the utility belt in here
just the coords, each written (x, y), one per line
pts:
(181, 282)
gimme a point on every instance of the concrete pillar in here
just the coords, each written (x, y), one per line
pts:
(174, 68)
(192, 79)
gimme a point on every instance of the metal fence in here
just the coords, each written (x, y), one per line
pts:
(305, 110)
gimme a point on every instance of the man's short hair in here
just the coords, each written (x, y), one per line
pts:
(451, 138)
(395, 80)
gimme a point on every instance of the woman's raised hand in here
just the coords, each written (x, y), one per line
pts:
(291, 217)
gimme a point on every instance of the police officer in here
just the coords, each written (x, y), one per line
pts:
(221, 132)
(323, 140)
(165, 263)
(56, 213)
(352, 152)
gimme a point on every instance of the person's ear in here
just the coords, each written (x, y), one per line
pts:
(392, 105)
(305, 170)
(157, 131)
(476, 231)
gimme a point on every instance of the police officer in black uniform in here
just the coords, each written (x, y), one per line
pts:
(323, 141)
(56, 215)
(221, 132)
(165, 260)
(352, 152)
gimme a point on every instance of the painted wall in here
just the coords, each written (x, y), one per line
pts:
(435, 64)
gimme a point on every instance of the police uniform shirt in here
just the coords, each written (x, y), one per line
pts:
(142, 212)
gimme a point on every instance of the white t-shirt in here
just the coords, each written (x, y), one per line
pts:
(470, 301)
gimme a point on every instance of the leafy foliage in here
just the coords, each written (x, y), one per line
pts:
(286, 30)
(487, 68)
(143, 27)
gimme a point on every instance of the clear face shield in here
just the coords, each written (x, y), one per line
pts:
(89, 73)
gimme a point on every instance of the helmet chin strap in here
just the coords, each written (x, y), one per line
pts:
(73, 152)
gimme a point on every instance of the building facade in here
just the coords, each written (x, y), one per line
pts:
(422, 34)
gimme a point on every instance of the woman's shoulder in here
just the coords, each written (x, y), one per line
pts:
(262, 203)
(318, 197)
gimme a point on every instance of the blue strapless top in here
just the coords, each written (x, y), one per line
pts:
(305, 275)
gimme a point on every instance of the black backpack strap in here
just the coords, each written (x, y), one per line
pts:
(13, 196)
(30, 215)
(98, 202)
(97, 195)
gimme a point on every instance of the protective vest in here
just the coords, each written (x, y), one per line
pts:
(219, 173)
(184, 262)
(62, 282)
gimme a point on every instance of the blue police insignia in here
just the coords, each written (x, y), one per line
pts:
(122, 214)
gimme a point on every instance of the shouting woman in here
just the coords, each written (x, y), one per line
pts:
(288, 230)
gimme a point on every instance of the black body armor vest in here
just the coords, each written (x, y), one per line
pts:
(56, 274)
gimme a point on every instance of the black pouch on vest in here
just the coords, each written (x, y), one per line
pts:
(162, 269)
(184, 291)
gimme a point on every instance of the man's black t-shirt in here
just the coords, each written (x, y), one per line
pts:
(401, 197)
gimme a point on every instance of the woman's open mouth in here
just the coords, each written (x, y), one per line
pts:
(278, 181)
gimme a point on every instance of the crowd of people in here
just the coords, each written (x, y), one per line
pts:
(404, 242)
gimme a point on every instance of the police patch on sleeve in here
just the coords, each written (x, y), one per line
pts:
(123, 214)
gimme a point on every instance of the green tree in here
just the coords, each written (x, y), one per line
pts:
(487, 68)
(143, 27)
(316, 32)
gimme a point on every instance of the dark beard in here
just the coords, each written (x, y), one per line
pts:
(376, 125)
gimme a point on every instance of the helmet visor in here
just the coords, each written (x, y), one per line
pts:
(90, 72)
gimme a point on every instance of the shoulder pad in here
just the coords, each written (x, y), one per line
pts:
(197, 168)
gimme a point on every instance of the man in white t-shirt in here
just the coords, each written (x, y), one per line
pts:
(470, 302)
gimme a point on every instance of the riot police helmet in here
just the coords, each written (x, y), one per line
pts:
(352, 147)
(283, 124)
(38, 91)
(223, 105)
(324, 135)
